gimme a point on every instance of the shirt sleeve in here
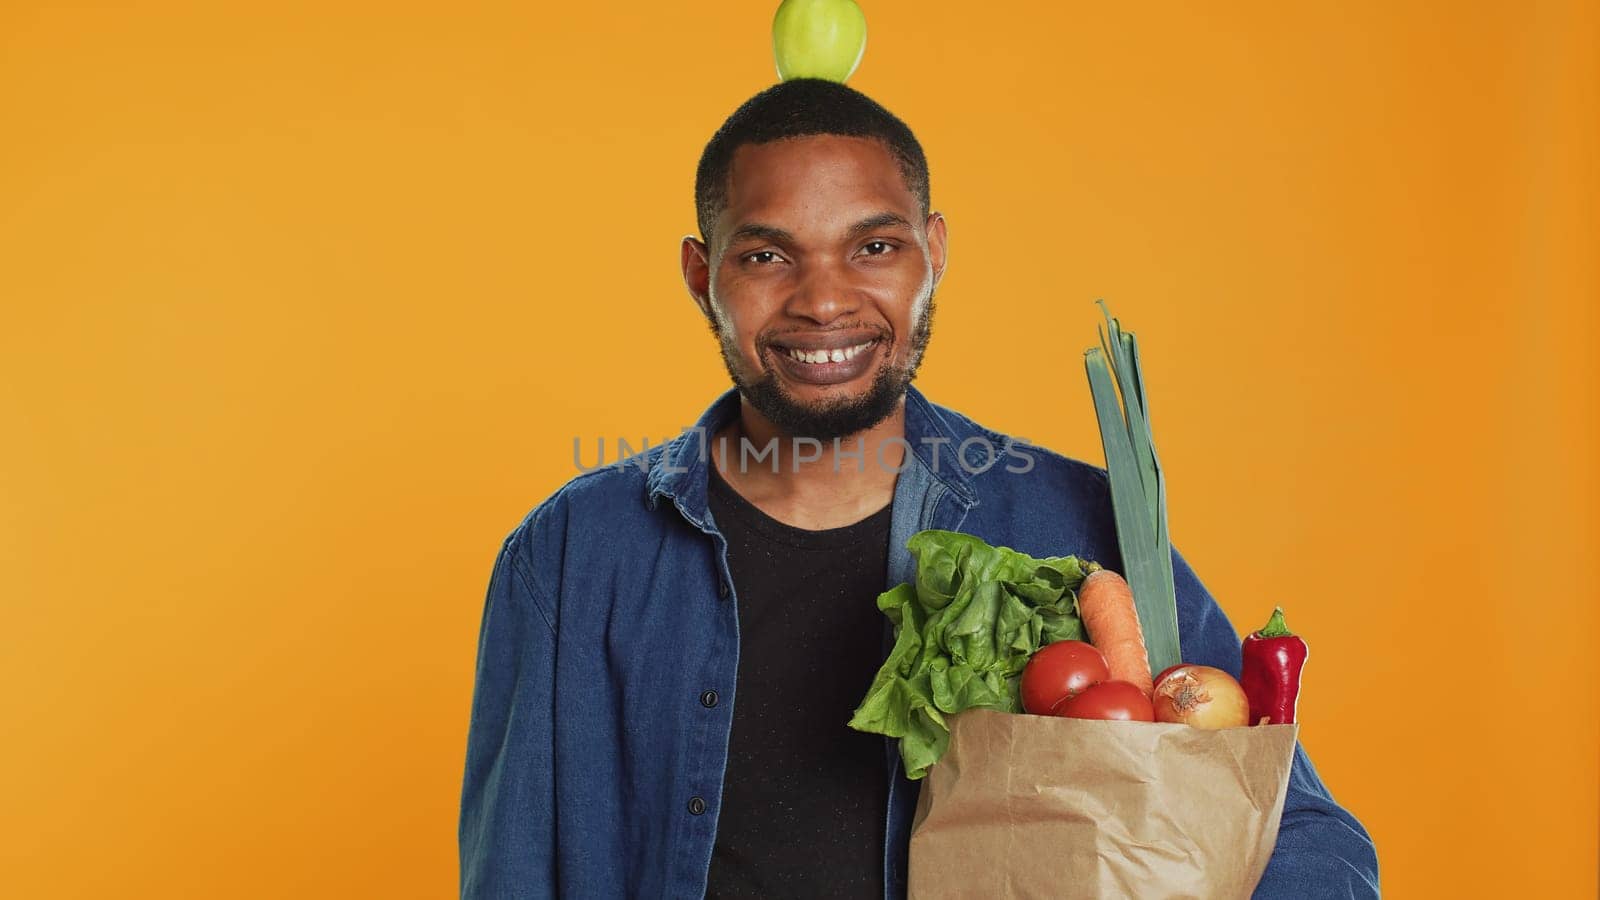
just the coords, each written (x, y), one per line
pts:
(507, 838)
(1323, 852)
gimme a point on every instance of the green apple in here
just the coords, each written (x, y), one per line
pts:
(818, 39)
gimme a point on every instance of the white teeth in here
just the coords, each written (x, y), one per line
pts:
(822, 356)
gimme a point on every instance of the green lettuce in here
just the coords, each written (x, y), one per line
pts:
(963, 633)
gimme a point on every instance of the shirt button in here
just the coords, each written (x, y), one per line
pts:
(696, 806)
(722, 589)
(708, 699)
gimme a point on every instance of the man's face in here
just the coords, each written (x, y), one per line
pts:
(819, 282)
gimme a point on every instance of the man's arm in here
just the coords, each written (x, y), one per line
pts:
(507, 834)
(1323, 852)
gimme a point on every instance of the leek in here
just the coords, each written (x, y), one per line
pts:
(1138, 493)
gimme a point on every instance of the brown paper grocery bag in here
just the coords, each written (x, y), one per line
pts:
(1040, 806)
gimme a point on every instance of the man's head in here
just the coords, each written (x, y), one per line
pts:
(820, 255)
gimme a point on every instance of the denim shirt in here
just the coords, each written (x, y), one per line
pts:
(609, 644)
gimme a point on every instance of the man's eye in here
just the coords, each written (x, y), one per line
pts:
(756, 257)
(885, 245)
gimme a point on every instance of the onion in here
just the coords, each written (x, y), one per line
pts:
(1202, 696)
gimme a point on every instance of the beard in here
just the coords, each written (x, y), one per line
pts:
(838, 417)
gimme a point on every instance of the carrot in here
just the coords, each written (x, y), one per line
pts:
(1105, 604)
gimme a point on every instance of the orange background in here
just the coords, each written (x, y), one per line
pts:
(303, 306)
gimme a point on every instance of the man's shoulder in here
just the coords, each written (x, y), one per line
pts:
(1014, 456)
(608, 500)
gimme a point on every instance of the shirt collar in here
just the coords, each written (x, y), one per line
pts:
(680, 471)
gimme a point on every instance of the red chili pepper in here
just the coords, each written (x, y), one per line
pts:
(1273, 659)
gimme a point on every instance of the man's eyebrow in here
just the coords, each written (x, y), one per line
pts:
(881, 220)
(758, 231)
(762, 232)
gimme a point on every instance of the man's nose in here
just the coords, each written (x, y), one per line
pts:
(823, 294)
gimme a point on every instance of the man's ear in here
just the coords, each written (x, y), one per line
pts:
(696, 261)
(938, 245)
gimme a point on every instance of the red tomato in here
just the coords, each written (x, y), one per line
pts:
(1121, 700)
(1057, 671)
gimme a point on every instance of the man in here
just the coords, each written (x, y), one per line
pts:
(671, 646)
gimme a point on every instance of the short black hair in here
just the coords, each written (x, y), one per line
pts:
(803, 107)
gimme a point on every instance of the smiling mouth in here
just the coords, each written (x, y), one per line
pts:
(823, 366)
(837, 354)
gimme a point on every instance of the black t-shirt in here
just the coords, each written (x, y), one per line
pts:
(805, 796)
